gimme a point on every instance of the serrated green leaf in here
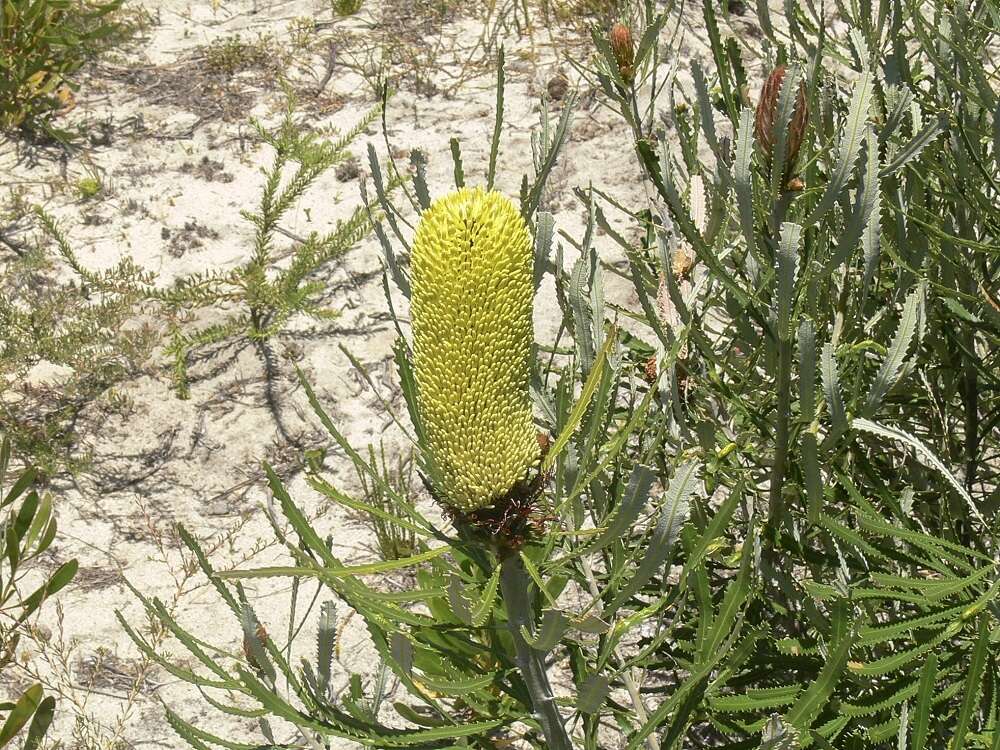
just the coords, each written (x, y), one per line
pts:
(923, 452)
(756, 699)
(742, 179)
(888, 374)
(911, 150)
(831, 389)
(483, 608)
(925, 691)
(973, 685)
(788, 265)
(809, 704)
(900, 659)
(849, 148)
(457, 686)
(554, 625)
(580, 408)
(633, 500)
(675, 510)
(592, 693)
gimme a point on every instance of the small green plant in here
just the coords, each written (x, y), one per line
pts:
(395, 481)
(88, 187)
(233, 54)
(346, 7)
(261, 293)
(43, 43)
(27, 531)
(64, 347)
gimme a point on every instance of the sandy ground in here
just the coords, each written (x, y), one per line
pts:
(177, 167)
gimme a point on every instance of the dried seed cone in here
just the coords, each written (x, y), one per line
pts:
(649, 370)
(472, 282)
(261, 633)
(623, 48)
(766, 121)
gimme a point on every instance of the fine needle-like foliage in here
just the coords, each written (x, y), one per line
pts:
(63, 347)
(256, 298)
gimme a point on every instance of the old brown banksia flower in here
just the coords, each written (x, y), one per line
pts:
(623, 48)
(765, 122)
(248, 646)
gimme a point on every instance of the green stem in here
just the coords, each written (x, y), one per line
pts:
(514, 587)
(781, 433)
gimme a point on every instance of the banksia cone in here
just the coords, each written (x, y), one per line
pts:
(623, 48)
(649, 370)
(472, 290)
(766, 121)
(248, 649)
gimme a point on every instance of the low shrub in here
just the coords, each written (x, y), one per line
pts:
(43, 44)
(64, 346)
(760, 510)
(256, 298)
(27, 531)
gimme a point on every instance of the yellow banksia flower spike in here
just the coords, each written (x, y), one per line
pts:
(471, 304)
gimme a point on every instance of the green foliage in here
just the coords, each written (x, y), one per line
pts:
(63, 347)
(346, 7)
(785, 534)
(27, 530)
(43, 43)
(857, 564)
(233, 54)
(273, 283)
(394, 542)
(88, 187)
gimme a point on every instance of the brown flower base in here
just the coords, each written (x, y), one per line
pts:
(513, 519)
(510, 522)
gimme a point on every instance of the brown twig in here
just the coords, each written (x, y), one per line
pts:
(331, 62)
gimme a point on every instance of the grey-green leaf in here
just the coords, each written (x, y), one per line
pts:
(593, 693)
(850, 146)
(892, 365)
(636, 494)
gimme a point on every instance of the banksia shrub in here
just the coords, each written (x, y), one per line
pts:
(766, 117)
(472, 333)
(623, 47)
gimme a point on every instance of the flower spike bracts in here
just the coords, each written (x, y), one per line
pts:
(472, 293)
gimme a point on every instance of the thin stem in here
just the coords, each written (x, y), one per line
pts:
(781, 432)
(627, 676)
(640, 708)
(514, 587)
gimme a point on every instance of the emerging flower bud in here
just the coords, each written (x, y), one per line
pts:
(766, 121)
(623, 48)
